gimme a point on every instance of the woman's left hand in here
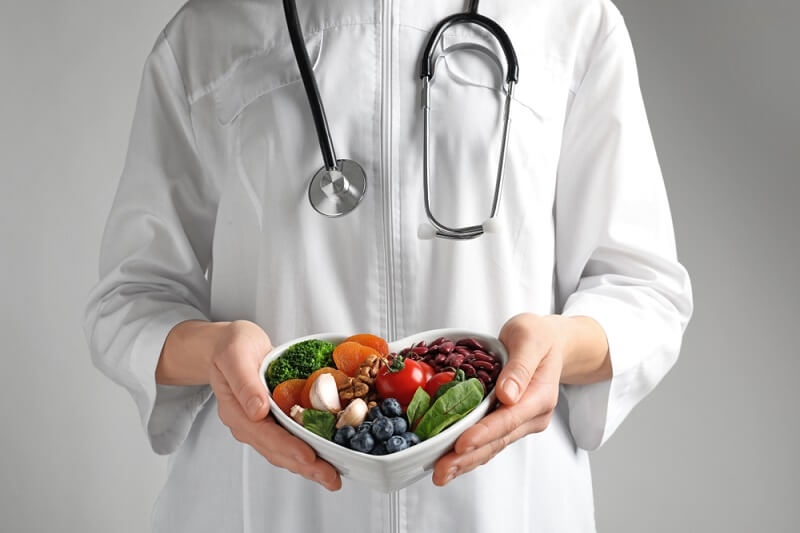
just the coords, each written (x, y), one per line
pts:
(527, 388)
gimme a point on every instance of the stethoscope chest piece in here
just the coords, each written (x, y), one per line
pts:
(336, 192)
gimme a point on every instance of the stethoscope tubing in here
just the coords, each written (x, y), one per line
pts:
(330, 204)
(310, 84)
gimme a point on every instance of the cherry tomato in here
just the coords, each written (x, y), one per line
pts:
(400, 384)
(428, 369)
(437, 381)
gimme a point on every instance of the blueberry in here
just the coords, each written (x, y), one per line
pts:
(362, 441)
(364, 426)
(411, 438)
(400, 425)
(379, 449)
(343, 435)
(391, 407)
(374, 413)
(396, 444)
(382, 428)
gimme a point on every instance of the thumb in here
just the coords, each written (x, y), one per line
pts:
(241, 375)
(524, 356)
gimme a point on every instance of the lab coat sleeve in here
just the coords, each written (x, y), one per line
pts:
(154, 255)
(615, 252)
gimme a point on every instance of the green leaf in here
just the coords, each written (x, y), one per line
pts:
(323, 423)
(451, 407)
(419, 404)
(444, 387)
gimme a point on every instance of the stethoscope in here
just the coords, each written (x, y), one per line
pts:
(339, 186)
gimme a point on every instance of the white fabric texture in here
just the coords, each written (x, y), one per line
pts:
(211, 221)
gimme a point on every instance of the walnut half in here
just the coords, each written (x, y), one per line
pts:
(361, 386)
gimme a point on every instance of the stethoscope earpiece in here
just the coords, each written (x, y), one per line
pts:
(492, 225)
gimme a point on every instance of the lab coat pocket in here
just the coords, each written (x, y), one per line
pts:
(252, 103)
(257, 75)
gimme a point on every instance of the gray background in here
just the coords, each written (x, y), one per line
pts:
(713, 449)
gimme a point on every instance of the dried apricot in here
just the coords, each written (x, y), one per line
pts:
(349, 355)
(287, 393)
(373, 341)
(305, 395)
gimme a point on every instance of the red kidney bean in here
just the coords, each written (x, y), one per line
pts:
(481, 365)
(469, 370)
(483, 376)
(462, 350)
(480, 355)
(455, 360)
(471, 343)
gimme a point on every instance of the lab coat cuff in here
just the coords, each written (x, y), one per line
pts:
(596, 410)
(167, 412)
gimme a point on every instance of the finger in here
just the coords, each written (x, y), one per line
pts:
(278, 446)
(239, 365)
(525, 352)
(538, 399)
(264, 432)
(284, 450)
(454, 464)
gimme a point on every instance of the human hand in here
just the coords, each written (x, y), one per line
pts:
(527, 389)
(243, 404)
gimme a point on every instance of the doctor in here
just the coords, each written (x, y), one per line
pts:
(212, 252)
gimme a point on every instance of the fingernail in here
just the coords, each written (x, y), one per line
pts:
(512, 389)
(451, 474)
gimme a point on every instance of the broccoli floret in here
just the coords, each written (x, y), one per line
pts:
(299, 361)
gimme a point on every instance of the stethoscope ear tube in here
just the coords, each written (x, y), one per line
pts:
(429, 59)
(435, 228)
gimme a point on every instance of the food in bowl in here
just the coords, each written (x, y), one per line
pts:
(362, 396)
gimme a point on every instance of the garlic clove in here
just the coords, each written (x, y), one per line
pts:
(353, 414)
(324, 394)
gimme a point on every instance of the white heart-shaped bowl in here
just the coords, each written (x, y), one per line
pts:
(397, 470)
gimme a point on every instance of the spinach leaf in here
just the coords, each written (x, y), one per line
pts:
(451, 407)
(444, 387)
(322, 423)
(458, 378)
(419, 404)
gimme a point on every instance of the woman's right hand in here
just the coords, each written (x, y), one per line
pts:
(233, 353)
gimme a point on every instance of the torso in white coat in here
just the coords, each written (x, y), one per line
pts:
(585, 229)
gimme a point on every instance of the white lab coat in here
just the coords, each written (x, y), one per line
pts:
(211, 221)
